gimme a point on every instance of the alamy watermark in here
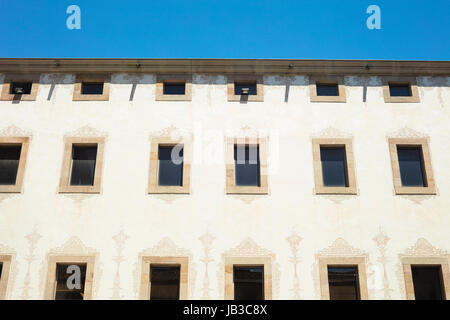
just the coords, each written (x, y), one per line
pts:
(74, 20)
(374, 20)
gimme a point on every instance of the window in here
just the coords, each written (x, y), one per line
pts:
(164, 278)
(327, 89)
(428, 284)
(172, 87)
(170, 165)
(245, 88)
(13, 155)
(20, 87)
(248, 283)
(246, 165)
(5, 265)
(68, 286)
(400, 89)
(343, 282)
(411, 166)
(82, 165)
(334, 166)
(246, 158)
(165, 282)
(92, 87)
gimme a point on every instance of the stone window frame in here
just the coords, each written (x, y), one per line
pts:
(339, 80)
(175, 78)
(231, 187)
(153, 187)
(352, 188)
(25, 143)
(6, 269)
(53, 260)
(414, 98)
(147, 261)
(259, 79)
(86, 78)
(425, 261)
(361, 262)
(231, 262)
(17, 77)
(66, 169)
(426, 158)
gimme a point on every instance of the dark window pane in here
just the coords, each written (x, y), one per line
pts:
(174, 88)
(427, 282)
(9, 164)
(327, 89)
(399, 90)
(246, 160)
(248, 283)
(343, 283)
(65, 289)
(411, 166)
(1, 269)
(92, 88)
(83, 165)
(334, 166)
(20, 88)
(165, 283)
(170, 166)
(251, 86)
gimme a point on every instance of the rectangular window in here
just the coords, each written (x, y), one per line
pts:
(245, 88)
(400, 89)
(165, 282)
(248, 283)
(247, 165)
(334, 166)
(427, 282)
(20, 88)
(83, 165)
(176, 88)
(343, 283)
(92, 88)
(70, 281)
(410, 161)
(170, 165)
(327, 89)
(1, 269)
(9, 163)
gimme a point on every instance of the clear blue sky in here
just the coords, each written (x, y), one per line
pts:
(300, 29)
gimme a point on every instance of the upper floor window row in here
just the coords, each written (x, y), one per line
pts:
(172, 87)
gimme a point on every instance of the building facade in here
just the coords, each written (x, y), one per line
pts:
(351, 178)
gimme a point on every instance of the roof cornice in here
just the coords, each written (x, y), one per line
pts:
(227, 66)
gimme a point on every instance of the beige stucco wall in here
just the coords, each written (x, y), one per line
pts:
(40, 220)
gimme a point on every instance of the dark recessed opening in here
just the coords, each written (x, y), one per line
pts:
(170, 165)
(343, 283)
(246, 88)
(83, 165)
(428, 282)
(400, 89)
(247, 165)
(9, 163)
(334, 166)
(165, 283)
(92, 88)
(327, 89)
(1, 269)
(20, 87)
(68, 287)
(410, 161)
(175, 88)
(248, 283)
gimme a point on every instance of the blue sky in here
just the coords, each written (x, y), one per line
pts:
(300, 29)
